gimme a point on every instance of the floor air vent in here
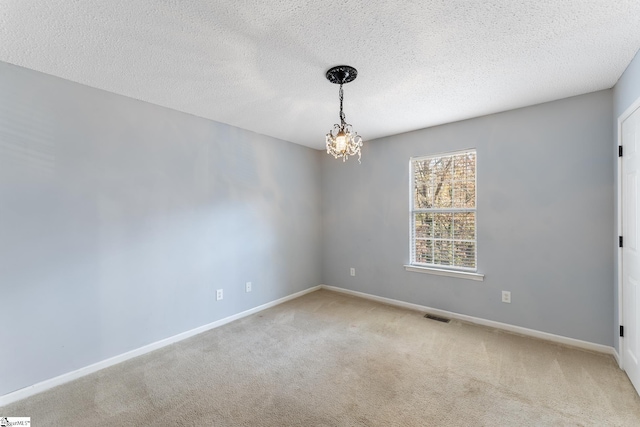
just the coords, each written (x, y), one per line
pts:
(439, 319)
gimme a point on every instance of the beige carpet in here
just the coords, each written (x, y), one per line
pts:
(327, 359)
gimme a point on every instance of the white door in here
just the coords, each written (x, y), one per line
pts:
(630, 133)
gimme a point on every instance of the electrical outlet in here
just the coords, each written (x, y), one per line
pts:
(218, 294)
(506, 297)
(353, 271)
(247, 287)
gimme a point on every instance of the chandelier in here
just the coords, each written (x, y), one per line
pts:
(342, 140)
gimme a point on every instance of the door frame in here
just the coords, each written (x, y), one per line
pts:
(621, 118)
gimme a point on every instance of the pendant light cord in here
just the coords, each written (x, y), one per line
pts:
(342, 122)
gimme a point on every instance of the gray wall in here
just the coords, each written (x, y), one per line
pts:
(119, 219)
(625, 93)
(627, 89)
(545, 215)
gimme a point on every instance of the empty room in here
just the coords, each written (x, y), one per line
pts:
(333, 213)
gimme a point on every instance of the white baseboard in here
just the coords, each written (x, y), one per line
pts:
(617, 357)
(484, 322)
(70, 376)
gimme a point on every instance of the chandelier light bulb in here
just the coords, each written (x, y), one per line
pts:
(341, 142)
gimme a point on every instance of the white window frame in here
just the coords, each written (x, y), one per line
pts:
(439, 269)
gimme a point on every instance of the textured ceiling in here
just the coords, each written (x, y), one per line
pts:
(260, 65)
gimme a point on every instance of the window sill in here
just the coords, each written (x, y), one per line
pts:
(442, 272)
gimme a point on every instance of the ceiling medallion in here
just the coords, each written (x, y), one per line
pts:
(342, 140)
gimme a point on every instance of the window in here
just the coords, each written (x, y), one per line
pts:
(443, 211)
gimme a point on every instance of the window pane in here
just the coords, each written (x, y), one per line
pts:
(423, 190)
(442, 252)
(464, 194)
(443, 194)
(443, 183)
(464, 165)
(464, 177)
(424, 251)
(465, 254)
(464, 227)
(443, 225)
(423, 223)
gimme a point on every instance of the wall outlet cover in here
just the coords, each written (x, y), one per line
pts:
(247, 287)
(219, 295)
(506, 297)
